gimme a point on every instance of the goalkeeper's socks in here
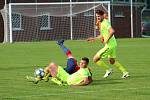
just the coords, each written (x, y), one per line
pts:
(35, 80)
(120, 67)
(102, 64)
(56, 81)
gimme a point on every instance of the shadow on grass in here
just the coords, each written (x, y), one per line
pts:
(140, 76)
(107, 81)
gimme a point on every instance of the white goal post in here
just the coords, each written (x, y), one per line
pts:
(52, 21)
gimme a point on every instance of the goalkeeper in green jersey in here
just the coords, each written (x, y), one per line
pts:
(109, 50)
(59, 75)
(79, 78)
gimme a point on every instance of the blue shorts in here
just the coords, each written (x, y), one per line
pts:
(71, 65)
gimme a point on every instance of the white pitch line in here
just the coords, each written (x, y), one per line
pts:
(53, 94)
(123, 89)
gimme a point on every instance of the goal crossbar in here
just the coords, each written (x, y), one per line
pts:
(56, 3)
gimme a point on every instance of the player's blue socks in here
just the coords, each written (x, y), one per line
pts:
(66, 50)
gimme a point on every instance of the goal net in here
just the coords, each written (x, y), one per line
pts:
(52, 21)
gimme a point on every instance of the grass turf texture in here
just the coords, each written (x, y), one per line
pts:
(19, 59)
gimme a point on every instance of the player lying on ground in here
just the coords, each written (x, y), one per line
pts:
(109, 50)
(71, 66)
(61, 77)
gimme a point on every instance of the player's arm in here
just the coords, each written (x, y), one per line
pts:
(99, 37)
(90, 70)
(111, 32)
(86, 81)
(91, 39)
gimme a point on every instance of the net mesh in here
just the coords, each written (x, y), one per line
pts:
(38, 22)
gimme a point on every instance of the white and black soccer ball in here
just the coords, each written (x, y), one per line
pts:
(39, 72)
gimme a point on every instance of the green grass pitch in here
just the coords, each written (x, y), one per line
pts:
(19, 59)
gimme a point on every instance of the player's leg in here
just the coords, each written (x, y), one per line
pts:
(117, 64)
(64, 48)
(97, 59)
(35, 80)
(59, 75)
(52, 69)
(103, 65)
(71, 61)
(49, 70)
(46, 74)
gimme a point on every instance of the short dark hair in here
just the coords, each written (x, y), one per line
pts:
(100, 12)
(86, 59)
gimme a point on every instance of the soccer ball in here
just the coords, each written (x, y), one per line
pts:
(39, 72)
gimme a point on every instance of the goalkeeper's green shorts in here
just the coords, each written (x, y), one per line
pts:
(62, 74)
(107, 52)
